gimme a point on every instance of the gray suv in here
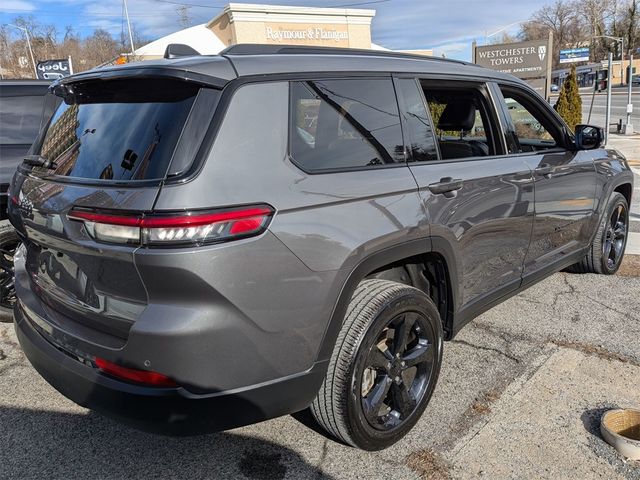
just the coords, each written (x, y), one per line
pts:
(214, 241)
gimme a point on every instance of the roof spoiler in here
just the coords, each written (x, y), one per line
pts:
(177, 50)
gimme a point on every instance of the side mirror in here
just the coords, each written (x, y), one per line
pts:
(589, 137)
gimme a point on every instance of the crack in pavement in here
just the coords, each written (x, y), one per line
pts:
(323, 457)
(573, 291)
(556, 295)
(489, 349)
(10, 366)
(619, 312)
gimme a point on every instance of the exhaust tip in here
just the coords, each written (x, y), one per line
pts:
(621, 429)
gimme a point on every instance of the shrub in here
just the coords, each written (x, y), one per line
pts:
(569, 103)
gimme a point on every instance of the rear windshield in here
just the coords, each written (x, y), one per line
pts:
(118, 129)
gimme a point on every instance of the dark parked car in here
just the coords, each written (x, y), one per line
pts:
(214, 241)
(21, 110)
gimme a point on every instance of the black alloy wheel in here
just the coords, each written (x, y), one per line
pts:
(398, 370)
(615, 236)
(384, 366)
(9, 242)
(607, 250)
(7, 281)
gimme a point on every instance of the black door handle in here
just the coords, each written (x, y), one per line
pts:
(447, 186)
(544, 170)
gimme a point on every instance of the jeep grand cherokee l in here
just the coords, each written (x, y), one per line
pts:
(214, 241)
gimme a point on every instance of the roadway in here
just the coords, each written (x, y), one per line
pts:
(618, 106)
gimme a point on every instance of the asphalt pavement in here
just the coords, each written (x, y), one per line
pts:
(520, 395)
(596, 114)
(511, 366)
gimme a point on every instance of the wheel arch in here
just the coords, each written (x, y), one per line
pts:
(621, 183)
(435, 249)
(626, 189)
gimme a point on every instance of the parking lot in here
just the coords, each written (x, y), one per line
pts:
(564, 348)
(520, 395)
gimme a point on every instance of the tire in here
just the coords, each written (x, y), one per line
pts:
(9, 241)
(607, 250)
(364, 372)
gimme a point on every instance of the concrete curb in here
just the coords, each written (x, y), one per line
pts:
(633, 244)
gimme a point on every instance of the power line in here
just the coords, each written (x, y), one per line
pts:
(172, 2)
(359, 3)
(73, 14)
(190, 4)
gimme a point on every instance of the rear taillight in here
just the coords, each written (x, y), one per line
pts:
(168, 229)
(146, 377)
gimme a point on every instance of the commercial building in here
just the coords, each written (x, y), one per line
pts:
(273, 25)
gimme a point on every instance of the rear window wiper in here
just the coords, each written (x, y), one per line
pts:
(38, 161)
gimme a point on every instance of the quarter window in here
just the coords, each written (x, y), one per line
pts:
(339, 124)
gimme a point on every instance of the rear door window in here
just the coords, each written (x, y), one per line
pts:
(345, 124)
(118, 129)
(20, 119)
(463, 120)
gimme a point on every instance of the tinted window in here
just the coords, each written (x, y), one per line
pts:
(345, 124)
(533, 130)
(118, 129)
(461, 117)
(20, 119)
(419, 133)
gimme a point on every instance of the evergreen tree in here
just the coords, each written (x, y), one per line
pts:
(569, 103)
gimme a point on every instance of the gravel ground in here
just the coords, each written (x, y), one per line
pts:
(503, 352)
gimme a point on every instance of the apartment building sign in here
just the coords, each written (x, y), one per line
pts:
(530, 60)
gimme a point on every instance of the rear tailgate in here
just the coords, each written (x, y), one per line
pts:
(107, 149)
(87, 289)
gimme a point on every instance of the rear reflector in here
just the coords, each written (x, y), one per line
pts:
(138, 376)
(167, 229)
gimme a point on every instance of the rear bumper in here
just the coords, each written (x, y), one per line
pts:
(163, 410)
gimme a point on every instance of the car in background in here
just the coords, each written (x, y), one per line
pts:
(21, 113)
(635, 80)
(555, 88)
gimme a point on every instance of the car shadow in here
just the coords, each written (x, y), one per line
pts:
(49, 444)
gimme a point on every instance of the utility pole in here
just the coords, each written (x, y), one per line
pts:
(621, 61)
(26, 34)
(628, 128)
(126, 12)
(608, 112)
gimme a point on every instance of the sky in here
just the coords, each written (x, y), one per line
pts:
(448, 26)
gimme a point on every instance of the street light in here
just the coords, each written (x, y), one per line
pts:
(621, 40)
(26, 34)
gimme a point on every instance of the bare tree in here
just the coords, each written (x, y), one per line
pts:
(561, 19)
(594, 15)
(185, 15)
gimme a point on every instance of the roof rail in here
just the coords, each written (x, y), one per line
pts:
(178, 50)
(260, 49)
